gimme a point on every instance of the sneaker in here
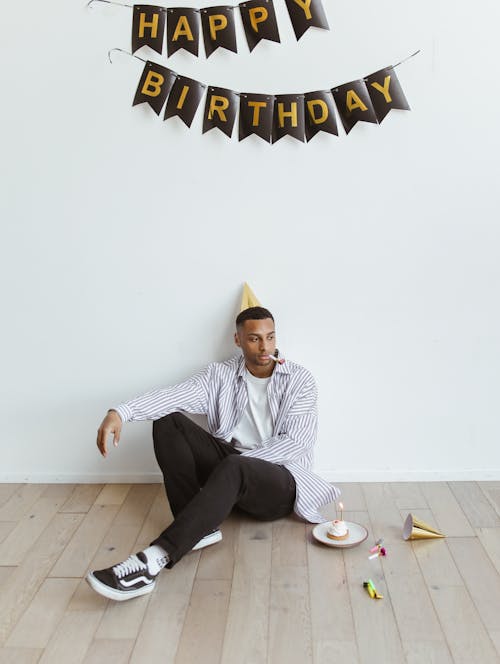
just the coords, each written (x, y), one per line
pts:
(125, 580)
(212, 538)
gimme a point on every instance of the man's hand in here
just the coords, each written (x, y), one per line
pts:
(112, 423)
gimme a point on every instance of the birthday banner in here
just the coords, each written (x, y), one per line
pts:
(218, 25)
(300, 115)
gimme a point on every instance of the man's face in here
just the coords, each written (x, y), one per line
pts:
(257, 340)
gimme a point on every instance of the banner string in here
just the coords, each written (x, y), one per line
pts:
(237, 93)
(165, 9)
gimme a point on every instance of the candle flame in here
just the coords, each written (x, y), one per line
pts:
(341, 506)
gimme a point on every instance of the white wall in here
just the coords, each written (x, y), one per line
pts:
(125, 239)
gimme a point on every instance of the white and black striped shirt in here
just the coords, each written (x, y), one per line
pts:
(220, 392)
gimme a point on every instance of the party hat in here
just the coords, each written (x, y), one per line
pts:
(248, 298)
(416, 529)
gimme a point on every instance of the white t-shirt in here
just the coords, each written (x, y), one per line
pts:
(256, 424)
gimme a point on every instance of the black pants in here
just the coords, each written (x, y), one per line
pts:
(206, 477)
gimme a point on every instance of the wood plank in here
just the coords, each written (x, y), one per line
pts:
(246, 636)
(408, 496)
(109, 651)
(21, 501)
(7, 490)
(289, 542)
(164, 618)
(449, 516)
(490, 541)
(480, 577)
(24, 582)
(159, 517)
(42, 616)
(76, 557)
(376, 626)
(72, 638)
(6, 527)
(5, 573)
(467, 637)
(19, 655)
(123, 619)
(82, 498)
(418, 624)
(113, 494)
(15, 546)
(385, 518)
(217, 562)
(203, 632)
(136, 505)
(289, 616)
(492, 492)
(475, 505)
(333, 633)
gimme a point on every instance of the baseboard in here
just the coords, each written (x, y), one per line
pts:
(474, 475)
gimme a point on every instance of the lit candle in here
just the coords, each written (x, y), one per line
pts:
(341, 508)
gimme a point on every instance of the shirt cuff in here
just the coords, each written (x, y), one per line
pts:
(124, 412)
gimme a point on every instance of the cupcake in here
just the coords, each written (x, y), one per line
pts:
(337, 530)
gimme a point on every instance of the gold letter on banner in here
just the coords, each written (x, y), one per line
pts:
(152, 84)
(218, 105)
(384, 89)
(143, 24)
(324, 110)
(257, 15)
(182, 97)
(353, 101)
(305, 4)
(292, 114)
(217, 22)
(256, 111)
(183, 30)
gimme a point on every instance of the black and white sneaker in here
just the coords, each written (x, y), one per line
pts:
(212, 538)
(125, 580)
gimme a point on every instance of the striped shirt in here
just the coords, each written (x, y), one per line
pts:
(219, 391)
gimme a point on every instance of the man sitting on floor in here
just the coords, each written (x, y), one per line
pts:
(262, 419)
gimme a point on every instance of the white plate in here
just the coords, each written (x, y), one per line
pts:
(357, 534)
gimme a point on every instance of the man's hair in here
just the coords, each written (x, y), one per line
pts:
(253, 313)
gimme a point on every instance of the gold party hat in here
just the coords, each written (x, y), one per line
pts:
(416, 529)
(248, 298)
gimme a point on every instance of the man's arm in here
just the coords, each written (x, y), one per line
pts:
(191, 396)
(300, 432)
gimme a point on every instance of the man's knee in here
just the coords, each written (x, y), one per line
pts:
(167, 422)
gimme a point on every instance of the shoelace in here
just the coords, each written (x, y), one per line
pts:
(129, 566)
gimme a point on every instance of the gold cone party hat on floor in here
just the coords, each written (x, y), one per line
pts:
(248, 298)
(414, 529)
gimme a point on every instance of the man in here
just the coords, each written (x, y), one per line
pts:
(262, 421)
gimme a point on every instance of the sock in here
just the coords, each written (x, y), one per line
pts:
(157, 558)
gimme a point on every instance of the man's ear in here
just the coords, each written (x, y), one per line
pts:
(237, 339)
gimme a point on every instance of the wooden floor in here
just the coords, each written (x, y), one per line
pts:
(267, 593)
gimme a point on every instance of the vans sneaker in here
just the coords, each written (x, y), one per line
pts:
(125, 580)
(212, 538)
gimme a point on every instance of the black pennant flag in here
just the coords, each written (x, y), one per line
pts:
(306, 13)
(256, 115)
(386, 92)
(184, 99)
(218, 29)
(154, 86)
(183, 30)
(320, 113)
(220, 110)
(354, 104)
(148, 27)
(288, 117)
(259, 21)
